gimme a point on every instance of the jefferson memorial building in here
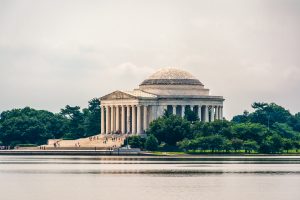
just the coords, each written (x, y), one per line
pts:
(168, 89)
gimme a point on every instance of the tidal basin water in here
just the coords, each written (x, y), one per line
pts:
(138, 177)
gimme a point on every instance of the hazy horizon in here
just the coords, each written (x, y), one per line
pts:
(54, 53)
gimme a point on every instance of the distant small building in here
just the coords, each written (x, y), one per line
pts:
(168, 89)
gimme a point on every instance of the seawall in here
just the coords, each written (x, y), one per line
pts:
(71, 152)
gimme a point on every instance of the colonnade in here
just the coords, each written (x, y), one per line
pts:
(206, 113)
(124, 119)
(211, 113)
(135, 119)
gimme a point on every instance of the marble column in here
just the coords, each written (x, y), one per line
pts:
(212, 114)
(160, 111)
(145, 125)
(128, 120)
(102, 120)
(107, 120)
(206, 114)
(133, 119)
(139, 120)
(199, 112)
(117, 118)
(123, 119)
(222, 112)
(174, 109)
(112, 120)
(182, 110)
(217, 112)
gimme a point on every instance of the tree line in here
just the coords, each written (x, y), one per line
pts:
(268, 129)
(30, 126)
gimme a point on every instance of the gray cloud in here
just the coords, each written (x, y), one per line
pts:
(54, 53)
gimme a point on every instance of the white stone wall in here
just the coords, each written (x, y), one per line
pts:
(175, 89)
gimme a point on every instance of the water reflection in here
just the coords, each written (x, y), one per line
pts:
(149, 178)
(149, 165)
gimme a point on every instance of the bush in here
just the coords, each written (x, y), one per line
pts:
(151, 143)
(250, 145)
(170, 129)
(236, 144)
(136, 142)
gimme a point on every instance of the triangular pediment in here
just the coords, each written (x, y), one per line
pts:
(117, 95)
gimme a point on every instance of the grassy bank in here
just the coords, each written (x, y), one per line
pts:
(209, 152)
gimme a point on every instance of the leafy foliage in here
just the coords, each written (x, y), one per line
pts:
(151, 143)
(250, 145)
(190, 115)
(136, 142)
(30, 126)
(170, 129)
(269, 129)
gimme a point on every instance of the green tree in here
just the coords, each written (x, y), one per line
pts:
(276, 143)
(216, 142)
(203, 143)
(250, 131)
(75, 120)
(92, 117)
(185, 144)
(272, 144)
(250, 145)
(170, 129)
(241, 118)
(284, 130)
(268, 114)
(27, 125)
(295, 122)
(236, 144)
(190, 115)
(287, 144)
(296, 144)
(151, 143)
(136, 142)
(208, 129)
(227, 145)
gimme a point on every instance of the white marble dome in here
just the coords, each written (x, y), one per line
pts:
(171, 73)
(171, 76)
(173, 82)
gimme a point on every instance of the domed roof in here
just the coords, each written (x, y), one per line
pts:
(171, 73)
(171, 76)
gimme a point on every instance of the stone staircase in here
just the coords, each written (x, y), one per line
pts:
(99, 141)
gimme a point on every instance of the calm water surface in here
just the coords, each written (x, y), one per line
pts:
(170, 178)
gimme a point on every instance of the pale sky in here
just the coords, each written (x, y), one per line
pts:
(54, 53)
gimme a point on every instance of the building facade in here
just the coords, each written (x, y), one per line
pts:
(173, 90)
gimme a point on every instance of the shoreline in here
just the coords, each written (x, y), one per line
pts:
(126, 153)
(69, 152)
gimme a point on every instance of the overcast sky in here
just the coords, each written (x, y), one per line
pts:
(54, 53)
